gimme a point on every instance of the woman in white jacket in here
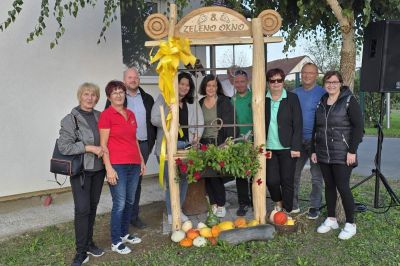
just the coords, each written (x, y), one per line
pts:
(190, 113)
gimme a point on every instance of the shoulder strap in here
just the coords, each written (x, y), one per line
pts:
(348, 101)
(76, 123)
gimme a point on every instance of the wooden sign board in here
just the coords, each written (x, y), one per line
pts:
(213, 22)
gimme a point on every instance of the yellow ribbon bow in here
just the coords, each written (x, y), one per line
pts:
(170, 53)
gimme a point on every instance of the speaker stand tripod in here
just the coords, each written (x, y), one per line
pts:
(376, 172)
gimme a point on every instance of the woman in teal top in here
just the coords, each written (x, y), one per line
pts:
(284, 125)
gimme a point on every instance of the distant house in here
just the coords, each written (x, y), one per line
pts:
(290, 66)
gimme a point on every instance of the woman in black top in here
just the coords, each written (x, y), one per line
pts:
(338, 130)
(86, 189)
(216, 105)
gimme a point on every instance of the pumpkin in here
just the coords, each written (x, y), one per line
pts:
(186, 226)
(212, 240)
(241, 226)
(201, 225)
(177, 236)
(199, 241)
(253, 223)
(240, 222)
(212, 219)
(205, 232)
(280, 218)
(215, 231)
(186, 242)
(192, 233)
(226, 225)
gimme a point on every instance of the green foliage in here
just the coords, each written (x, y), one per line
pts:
(236, 159)
(325, 55)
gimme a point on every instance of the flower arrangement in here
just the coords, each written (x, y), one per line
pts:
(235, 159)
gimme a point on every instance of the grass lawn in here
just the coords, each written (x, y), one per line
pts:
(376, 243)
(393, 131)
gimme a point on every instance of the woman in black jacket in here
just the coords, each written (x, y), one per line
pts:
(215, 106)
(283, 125)
(338, 130)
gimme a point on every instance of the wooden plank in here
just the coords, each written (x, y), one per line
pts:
(222, 41)
(258, 105)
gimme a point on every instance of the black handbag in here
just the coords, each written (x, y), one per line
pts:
(69, 165)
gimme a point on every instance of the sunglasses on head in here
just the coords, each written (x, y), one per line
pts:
(276, 81)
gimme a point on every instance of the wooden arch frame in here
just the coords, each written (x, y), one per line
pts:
(212, 26)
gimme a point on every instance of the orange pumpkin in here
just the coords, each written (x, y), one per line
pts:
(280, 218)
(212, 240)
(186, 242)
(192, 233)
(240, 222)
(215, 231)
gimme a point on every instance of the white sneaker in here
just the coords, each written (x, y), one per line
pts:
(131, 239)
(214, 208)
(184, 218)
(120, 248)
(327, 225)
(295, 211)
(348, 231)
(221, 212)
(278, 208)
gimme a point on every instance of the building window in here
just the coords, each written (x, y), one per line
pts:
(134, 53)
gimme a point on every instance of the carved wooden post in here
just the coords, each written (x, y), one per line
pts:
(171, 144)
(258, 105)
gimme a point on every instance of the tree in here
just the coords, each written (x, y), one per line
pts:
(325, 56)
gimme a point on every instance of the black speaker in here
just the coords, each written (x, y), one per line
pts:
(380, 70)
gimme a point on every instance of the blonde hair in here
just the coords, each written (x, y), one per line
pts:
(87, 86)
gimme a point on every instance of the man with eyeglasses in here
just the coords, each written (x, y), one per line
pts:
(309, 95)
(244, 115)
(140, 103)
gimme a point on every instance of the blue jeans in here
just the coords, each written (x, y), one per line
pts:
(183, 184)
(123, 195)
(316, 178)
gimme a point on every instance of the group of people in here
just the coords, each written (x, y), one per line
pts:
(321, 124)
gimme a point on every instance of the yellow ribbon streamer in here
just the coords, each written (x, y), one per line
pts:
(170, 53)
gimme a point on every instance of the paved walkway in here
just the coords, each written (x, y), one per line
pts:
(29, 214)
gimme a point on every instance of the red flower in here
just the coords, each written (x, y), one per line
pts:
(268, 154)
(259, 181)
(197, 176)
(183, 168)
(190, 162)
(203, 147)
(222, 164)
(248, 172)
(260, 150)
(178, 161)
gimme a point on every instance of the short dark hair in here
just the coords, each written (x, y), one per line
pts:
(189, 97)
(204, 82)
(275, 71)
(241, 72)
(332, 73)
(114, 85)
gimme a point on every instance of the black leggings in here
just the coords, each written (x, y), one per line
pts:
(337, 176)
(86, 199)
(280, 177)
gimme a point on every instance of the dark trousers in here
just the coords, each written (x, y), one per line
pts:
(144, 149)
(86, 199)
(337, 176)
(216, 190)
(280, 177)
(244, 191)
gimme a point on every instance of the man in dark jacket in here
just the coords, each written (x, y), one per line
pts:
(140, 103)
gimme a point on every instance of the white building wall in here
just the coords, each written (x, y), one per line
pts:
(38, 87)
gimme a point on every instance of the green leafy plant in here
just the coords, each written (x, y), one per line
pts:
(235, 159)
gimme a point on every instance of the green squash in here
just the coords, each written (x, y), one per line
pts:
(212, 219)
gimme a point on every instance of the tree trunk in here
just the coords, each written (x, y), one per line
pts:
(348, 56)
(339, 211)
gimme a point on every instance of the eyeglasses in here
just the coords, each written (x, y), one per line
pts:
(119, 93)
(275, 80)
(332, 82)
